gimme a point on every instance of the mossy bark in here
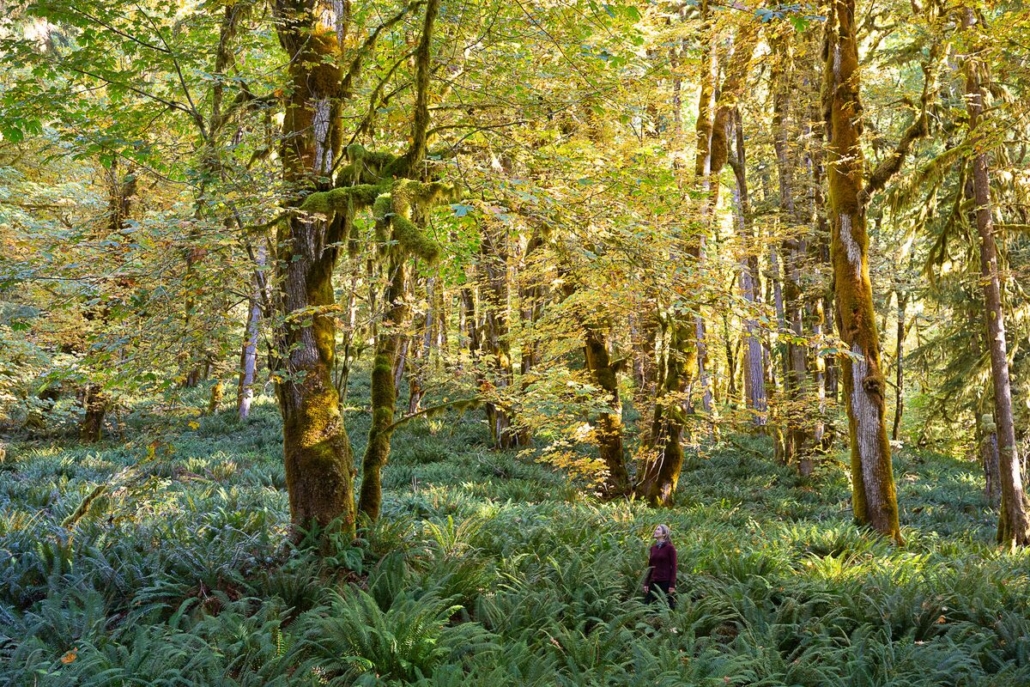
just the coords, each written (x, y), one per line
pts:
(317, 451)
(609, 425)
(384, 390)
(1013, 522)
(95, 403)
(677, 368)
(215, 400)
(874, 498)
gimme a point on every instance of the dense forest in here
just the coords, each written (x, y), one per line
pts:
(367, 343)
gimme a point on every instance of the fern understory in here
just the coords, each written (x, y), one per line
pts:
(486, 569)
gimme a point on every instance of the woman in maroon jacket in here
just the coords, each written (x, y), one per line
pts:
(661, 572)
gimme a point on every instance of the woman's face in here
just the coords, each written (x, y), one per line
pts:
(659, 534)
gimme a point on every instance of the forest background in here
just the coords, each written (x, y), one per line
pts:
(626, 241)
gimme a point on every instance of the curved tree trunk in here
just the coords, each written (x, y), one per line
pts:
(874, 497)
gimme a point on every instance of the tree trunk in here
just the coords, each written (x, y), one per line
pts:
(248, 354)
(795, 374)
(384, 388)
(899, 369)
(990, 459)
(677, 365)
(217, 394)
(609, 424)
(494, 266)
(754, 358)
(874, 497)
(316, 449)
(711, 144)
(94, 403)
(1013, 523)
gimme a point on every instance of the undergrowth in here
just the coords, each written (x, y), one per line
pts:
(487, 569)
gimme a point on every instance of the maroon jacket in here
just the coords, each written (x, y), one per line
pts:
(663, 564)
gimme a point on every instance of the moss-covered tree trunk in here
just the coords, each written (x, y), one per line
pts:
(1013, 523)
(609, 424)
(94, 404)
(874, 498)
(317, 452)
(384, 388)
(677, 365)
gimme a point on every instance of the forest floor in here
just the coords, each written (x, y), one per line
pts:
(486, 568)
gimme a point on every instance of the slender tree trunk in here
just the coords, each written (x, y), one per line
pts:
(317, 451)
(709, 137)
(1013, 523)
(384, 387)
(990, 459)
(248, 354)
(494, 266)
(796, 434)
(609, 424)
(899, 368)
(823, 369)
(754, 358)
(874, 497)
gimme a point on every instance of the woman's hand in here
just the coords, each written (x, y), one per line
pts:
(672, 590)
(647, 588)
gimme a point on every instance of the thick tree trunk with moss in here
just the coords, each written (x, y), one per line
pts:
(384, 390)
(317, 452)
(609, 424)
(1013, 523)
(874, 498)
(677, 366)
(94, 404)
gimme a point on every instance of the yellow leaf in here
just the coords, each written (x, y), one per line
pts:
(194, 424)
(70, 656)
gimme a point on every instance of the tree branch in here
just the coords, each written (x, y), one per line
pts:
(917, 130)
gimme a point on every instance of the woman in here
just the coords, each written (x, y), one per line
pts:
(662, 567)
